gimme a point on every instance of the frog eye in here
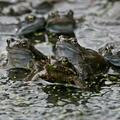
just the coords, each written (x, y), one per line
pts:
(12, 39)
(24, 43)
(9, 41)
(64, 61)
(73, 40)
(30, 18)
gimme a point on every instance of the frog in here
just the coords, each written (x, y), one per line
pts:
(23, 60)
(87, 62)
(60, 71)
(74, 65)
(42, 7)
(111, 51)
(61, 24)
(30, 26)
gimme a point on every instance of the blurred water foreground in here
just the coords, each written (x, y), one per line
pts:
(98, 23)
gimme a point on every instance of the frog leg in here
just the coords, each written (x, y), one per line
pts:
(30, 76)
(38, 75)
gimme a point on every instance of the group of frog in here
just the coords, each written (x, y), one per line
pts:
(71, 63)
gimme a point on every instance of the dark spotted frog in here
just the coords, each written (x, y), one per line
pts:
(111, 51)
(61, 71)
(74, 64)
(87, 62)
(23, 59)
(30, 25)
(64, 24)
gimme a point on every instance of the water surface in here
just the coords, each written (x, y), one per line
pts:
(28, 100)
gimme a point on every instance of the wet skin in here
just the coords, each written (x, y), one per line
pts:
(30, 25)
(61, 71)
(87, 62)
(111, 51)
(64, 24)
(73, 64)
(22, 56)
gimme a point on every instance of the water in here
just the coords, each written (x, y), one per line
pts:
(31, 100)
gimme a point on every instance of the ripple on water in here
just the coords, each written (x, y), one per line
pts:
(25, 100)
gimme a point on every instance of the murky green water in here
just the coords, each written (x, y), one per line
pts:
(31, 100)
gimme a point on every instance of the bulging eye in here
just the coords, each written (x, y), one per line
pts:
(64, 61)
(12, 40)
(9, 41)
(24, 43)
(74, 41)
(30, 18)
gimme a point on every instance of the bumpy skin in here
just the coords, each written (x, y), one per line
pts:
(31, 24)
(18, 54)
(22, 56)
(87, 62)
(61, 71)
(111, 51)
(64, 24)
(73, 64)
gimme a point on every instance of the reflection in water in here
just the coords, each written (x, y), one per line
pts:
(29, 100)
(59, 95)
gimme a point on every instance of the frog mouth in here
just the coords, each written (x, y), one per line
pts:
(19, 58)
(60, 28)
(20, 50)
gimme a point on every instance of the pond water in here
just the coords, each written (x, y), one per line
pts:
(32, 100)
